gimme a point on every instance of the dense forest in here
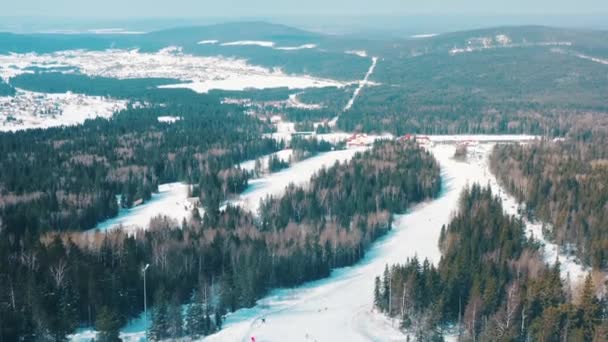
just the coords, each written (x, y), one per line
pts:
(508, 90)
(218, 263)
(491, 284)
(6, 89)
(68, 178)
(564, 184)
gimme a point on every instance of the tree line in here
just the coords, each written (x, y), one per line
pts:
(562, 183)
(213, 264)
(491, 284)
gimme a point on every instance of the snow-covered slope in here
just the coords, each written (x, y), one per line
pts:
(170, 201)
(298, 174)
(339, 308)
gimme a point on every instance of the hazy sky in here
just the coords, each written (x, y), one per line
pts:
(273, 8)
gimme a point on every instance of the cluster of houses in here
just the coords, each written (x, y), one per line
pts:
(30, 104)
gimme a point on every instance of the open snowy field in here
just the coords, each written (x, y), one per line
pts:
(201, 73)
(28, 109)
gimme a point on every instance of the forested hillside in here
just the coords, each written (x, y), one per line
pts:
(527, 89)
(68, 178)
(563, 183)
(491, 282)
(6, 89)
(61, 280)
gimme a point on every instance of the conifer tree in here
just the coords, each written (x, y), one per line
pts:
(589, 308)
(107, 325)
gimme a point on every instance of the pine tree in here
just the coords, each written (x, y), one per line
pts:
(195, 324)
(377, 293)
(108, 325)
(176, 320)
(160, 322)
(589, 308)
(386, 289)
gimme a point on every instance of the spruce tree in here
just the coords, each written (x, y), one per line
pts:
(160, 322)
(107, 325)
(377, 293)
(176, 320)
(589, 308)
(195, 316)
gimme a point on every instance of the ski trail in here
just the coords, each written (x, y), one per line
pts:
(581, 56)
(362, 84)
(340, 307)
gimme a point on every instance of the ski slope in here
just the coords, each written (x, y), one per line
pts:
(297, 174)
(339, 308)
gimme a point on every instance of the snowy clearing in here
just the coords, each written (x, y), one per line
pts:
(261, 43)
(300, 47)
(298, 174)
(362, 83)
(424, 35)
(340, 307)
(171, 201)
(283, 155)
(28, 109)
(208, 41)
(360, 53)
(169, 119)
(593, 59)
(203, 73)
(500, 41)
(263, 80)
(268, 44)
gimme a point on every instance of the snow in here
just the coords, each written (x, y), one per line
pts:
(501, 41)
(593, 59)
(570, 267)
(283, 155)
(132, 332)
(298, 174)
(425, 35)
(340, 307)
(269, 44)
(208, 41)
(362, 83)
(292, 48)
(480, 138)
(169, 119)
(261, 43)
(171, 201)
(294, 102)
(360, 53)
(202, 73)
(99, 31)
(27, 110)
(265, 80)
(113, 31)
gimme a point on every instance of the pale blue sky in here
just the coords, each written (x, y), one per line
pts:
(273, 8)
